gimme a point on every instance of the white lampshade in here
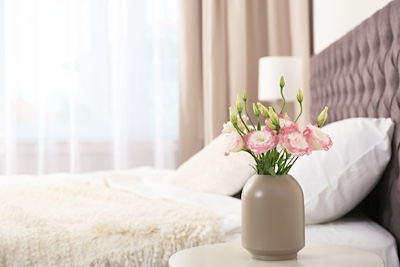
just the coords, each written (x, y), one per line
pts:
(269, 74)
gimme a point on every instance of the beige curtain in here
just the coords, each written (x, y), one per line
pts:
(221, 42)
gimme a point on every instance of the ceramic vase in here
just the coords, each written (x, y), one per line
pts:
(272, 217)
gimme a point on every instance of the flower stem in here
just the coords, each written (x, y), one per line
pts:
(244, 123)
(247, 114)
(284, 101)
(301, 111)
(240, 132)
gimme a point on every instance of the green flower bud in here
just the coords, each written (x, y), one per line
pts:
(299, 96)
(263, 110)
(232, 116)
(239, 104)
(244, 96)
(322, 117)
(255, 110)
(282, 82)
(273, 116)
(270, 125)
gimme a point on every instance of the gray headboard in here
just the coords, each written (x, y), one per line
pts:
(358, 76)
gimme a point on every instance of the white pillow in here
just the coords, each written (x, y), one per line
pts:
(336, 181)
(211, 171)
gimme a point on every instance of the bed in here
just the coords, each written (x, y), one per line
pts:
(359, 76)
(140, 217)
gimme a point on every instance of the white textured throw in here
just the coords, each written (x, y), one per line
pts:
(64, 225)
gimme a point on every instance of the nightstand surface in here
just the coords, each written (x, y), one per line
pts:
(312, 255)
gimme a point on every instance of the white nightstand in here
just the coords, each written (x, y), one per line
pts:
(313, 255)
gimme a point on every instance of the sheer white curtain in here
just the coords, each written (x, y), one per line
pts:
(87, 85)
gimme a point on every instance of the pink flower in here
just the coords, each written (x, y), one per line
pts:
(317, 138)
(261, 141)
(234, 143)
(285, 124)
(295, 143)
(229, 128)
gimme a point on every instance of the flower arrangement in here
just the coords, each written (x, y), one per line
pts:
(276, 145)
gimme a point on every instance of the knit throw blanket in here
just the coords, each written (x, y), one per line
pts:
(65, 225)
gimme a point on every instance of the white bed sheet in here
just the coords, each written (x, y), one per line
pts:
(359, 232)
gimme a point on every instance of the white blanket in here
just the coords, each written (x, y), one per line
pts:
(82, 225)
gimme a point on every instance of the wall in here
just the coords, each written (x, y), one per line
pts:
(333, 19)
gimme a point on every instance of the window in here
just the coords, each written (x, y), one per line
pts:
(88, 85)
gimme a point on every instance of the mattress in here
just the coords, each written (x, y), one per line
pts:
(357, 231)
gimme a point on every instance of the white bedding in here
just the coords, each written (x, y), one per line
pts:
(84, 225)
(151, 183)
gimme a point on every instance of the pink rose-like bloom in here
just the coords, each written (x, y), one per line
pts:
(234, 143)
(295, 143)
(261, 141)
(317, 138)
(286, 124)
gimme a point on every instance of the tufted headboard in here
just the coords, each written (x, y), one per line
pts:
(358, 76)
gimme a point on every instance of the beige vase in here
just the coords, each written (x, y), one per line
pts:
(272, 217)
